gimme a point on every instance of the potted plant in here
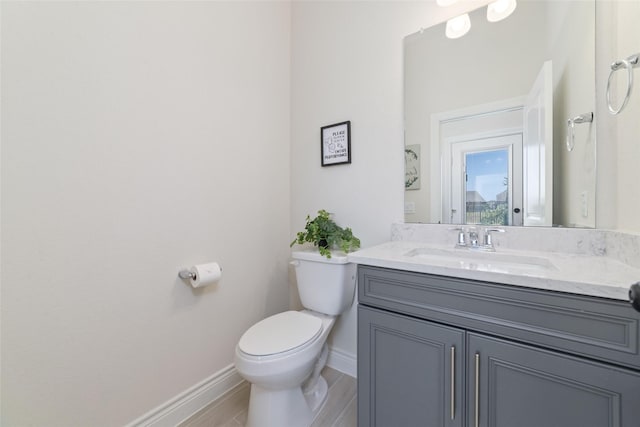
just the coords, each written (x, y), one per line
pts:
(324, 233)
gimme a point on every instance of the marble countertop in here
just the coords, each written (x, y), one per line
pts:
(599, 276)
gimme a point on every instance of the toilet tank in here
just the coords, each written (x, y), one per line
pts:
(326, 285)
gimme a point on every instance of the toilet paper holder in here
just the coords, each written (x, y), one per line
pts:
(201, 275)
(189, 275)
(186, 274)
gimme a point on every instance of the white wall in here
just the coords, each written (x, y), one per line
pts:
(347, 65)
(137, 138)
(618, 147)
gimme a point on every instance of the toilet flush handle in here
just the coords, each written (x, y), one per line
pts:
(295, 263)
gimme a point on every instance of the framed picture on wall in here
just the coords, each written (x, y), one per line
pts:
(335, 144)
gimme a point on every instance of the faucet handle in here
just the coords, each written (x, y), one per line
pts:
(461, 236)
(487, 235)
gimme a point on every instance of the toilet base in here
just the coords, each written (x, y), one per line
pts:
(289, 407)
(315, 388)
(317, 396)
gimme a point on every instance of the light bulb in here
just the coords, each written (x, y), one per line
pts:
(500, 6)
(500, 9)
(458, 26)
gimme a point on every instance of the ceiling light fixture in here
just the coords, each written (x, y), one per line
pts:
(458, 26)
(500, 9)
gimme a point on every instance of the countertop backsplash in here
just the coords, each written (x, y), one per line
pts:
(618, 245)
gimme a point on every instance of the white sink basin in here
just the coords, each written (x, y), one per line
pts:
(480, 260)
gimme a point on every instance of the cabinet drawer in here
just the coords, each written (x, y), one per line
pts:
(593, 327)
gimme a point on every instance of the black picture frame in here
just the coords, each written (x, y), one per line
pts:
(335, 144)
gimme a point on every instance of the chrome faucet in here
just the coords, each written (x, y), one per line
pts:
(473, 238)
(472, 242)
(488, 241)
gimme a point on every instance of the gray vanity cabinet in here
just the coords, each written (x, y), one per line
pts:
(437, 351)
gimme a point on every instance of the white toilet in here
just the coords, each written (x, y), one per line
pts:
(282, 355)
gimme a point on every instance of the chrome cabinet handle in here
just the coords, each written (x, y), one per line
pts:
(477, 396)
(453, 383)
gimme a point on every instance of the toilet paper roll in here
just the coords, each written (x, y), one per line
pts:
(205, 274)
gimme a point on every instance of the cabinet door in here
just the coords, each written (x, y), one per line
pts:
(409, 371)
(511, 385)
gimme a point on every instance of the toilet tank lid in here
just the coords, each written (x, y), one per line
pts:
(314, 255)
(279, 333)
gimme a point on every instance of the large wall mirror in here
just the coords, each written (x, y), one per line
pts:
(487, 132)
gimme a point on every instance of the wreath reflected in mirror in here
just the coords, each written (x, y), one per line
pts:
(412, 167)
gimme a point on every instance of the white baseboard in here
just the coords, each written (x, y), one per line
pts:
(187, 403)
(190, 401)
(344, 362)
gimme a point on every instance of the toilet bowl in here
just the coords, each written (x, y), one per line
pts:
(282, 355)
(278, 397)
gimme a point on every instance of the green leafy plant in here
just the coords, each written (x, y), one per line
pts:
(324, 233)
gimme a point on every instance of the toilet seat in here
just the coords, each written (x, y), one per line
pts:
(280, 333)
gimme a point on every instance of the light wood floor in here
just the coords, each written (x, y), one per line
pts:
(231, 409)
